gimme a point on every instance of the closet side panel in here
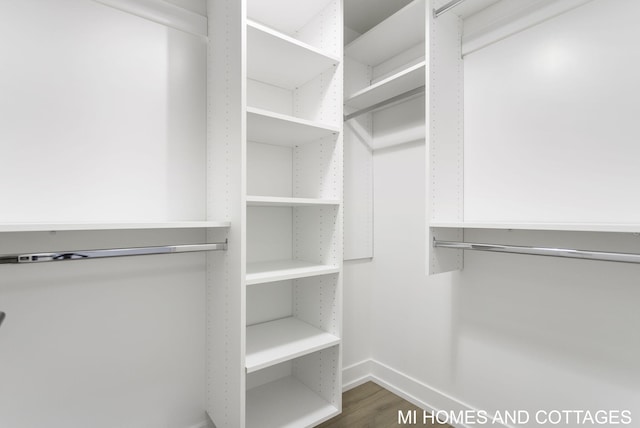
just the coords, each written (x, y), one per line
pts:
(358, 170)
(551, 121)
(445, 141)
(226, 169)
(358, 189)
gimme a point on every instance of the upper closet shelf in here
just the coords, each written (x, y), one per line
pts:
(274, 128)
(394, 35)
(66, 226)
(281, 340)
(410, 78)
(568, 227)
(283, 61)
(275, 201)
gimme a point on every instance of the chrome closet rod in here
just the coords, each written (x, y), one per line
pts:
(388, 101)
(541, 251)
(60, 256)
(439, 11)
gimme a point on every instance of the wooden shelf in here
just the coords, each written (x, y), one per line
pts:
(286, 403)
(259, 273)
(283, 61)
(568, 227)
(64, 226)
(279, 129)
(276, 201)
(282, 340)
(396, 34)
(410, 78)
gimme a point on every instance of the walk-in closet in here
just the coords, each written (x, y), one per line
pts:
(332, 213)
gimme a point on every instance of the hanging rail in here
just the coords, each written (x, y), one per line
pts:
(386, 102)
(541, 251)
(439, 11)
(61, 256)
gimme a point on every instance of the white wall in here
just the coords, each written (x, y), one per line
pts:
(102, 115)
(552, 112)
(103, 343)
(102, 118)
(509, 332)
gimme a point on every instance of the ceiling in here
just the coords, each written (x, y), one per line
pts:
(361, 15)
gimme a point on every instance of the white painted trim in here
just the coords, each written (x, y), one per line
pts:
(407, 387)
(163, 13)
(506, 19)
(356, 374)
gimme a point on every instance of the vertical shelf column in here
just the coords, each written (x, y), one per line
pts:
(294, 227)
(444, 107)
(226, 187)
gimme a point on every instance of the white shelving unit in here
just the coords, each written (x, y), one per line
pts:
(389, 59)
(285, 128)
(483, 175)
(282, 340)
(385, 67)
(108, 149)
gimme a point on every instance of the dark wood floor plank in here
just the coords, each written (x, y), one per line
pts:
(371, 406)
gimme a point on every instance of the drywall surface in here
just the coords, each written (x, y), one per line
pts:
(356, 330)
(102, 115)
(102, 118)
(102, 343)
(551, 120)
(509, 332)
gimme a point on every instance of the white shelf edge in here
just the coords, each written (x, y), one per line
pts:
(292, 40)
(283, 340)
(292, 119)
(286, 402)
(386, 81)
(569, 227)
(266, 201)
(79, 226)
(285, 269)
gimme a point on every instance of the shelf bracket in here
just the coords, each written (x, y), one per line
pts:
(445, 8)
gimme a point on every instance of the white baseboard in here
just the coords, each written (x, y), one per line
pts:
(412, 390)
(356, 374)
